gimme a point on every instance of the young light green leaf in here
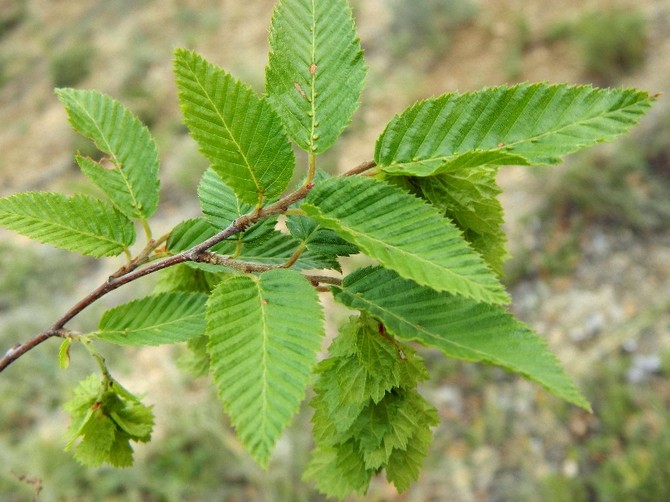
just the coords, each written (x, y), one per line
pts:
(405, 234)
(64, 353)
(236, 130)
(457, 326)
(221, 207)
(79, 223)
(527, 124)
(404, 466)
(338, 470)
(130, 180)
(105, 418)
(264, 334)
(316, 70)
(163, 318)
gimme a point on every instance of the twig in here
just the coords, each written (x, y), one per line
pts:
(361, 168)
(132, 271)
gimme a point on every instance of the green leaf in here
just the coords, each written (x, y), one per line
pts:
(316, 70)
(264, 334)
(64, 353)
(469, 197)
(154, 320)
(527, 124)
(320, 240)
(183, 278)
(278, 248)
(131, 179)
(236, 130)
(99, 433)
(79, 223)
(221, 207)
(338, 470)
(404, 234)
(195, 362)
(404, 466)
(457, 326)
(106, 417)
(189, 233)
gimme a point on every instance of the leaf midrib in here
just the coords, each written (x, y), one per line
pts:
(247, 164)
(71, 229)
(490, 294)
(508, 147)
(115, 160)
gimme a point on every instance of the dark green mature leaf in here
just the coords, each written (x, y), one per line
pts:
(457, 326)
(278, 248)
(405, 234)
(527, 124)
(316, 70)
(79, 223)
(131, 180)
(470, 198)
(189, 233)
(238, 131)
(221, 207)
(264, 334)
(170, 317)
(318, 239)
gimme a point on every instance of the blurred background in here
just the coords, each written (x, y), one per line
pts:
(590, 242)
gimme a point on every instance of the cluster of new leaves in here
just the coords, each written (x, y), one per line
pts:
(241, 290)
(106, 417)
(368, 415)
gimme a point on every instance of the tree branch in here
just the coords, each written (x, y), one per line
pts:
(361, 168)
(134, 270)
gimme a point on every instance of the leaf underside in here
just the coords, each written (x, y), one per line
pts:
(404, 234)
(238, 131)
(457, 326)
(130, 179)
(79, 223)
(316, 70)
(527, 124)
(164, 318)
(264, 333)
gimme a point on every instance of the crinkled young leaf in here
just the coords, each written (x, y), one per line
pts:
(163, 318)
(264, 334)
(238, 131)
(316, 70)
(79, 223)
(404, 465)
(457, 326)
(358, 431)
(527, 124)
(403, 233)
(338, 470)
(131, 178)
(105, 418)
(221, 207)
